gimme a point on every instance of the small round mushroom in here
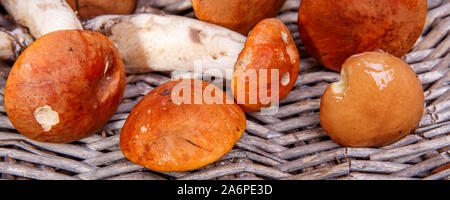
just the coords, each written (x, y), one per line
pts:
(237, 15)
(269, 49)
(92, 8)
(182, 125)
(378, 101)
(334, 30)
(65, 86)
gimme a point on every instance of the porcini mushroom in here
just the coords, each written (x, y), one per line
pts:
(181, 125)
(65, 86)
(267, 67)
(237, 15)
(333, 30)
(378, 101)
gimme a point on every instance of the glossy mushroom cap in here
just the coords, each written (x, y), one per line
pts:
(237, 15)
(269, 49)
(65, 86)
(334, 30)
(182, 125)
(378, 101)
(91, 8)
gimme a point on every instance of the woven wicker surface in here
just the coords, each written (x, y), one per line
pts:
(288, 145)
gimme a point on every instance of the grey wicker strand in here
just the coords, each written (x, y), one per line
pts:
(288, 145)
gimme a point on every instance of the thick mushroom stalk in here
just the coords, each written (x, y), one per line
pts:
(149, 42)
(42, 16)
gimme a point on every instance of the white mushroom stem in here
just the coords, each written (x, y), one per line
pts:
(21, 36)
(42, 16)
(13, 42)
(6, 46)
(149, 42)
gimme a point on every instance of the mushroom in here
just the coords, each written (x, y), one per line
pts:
(237, 15)
(181, 125)
(42, 16)
(333, 30)
(8, 46)
(13, 42)
(217, 50)
(149, 42)
(146, 42)
(378, 101)
(91, 8)
(267, 67)
(65, 86)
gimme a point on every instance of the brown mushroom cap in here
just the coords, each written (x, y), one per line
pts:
(334, 30)
(378, 101)
(92, 8)
(165, 134)
(237, 15)
(269, 46)
(65, 86)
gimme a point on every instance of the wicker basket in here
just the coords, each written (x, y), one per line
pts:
(288, 145)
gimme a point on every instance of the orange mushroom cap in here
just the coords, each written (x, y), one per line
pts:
(334, 30)
(378, 101)
(237, 15)
(65, 86)
(91, 8)
(267, 68)
(166, 133)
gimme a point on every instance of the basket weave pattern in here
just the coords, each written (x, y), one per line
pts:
(288, 145)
